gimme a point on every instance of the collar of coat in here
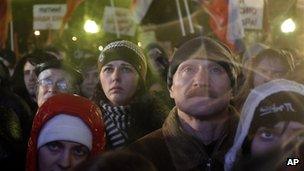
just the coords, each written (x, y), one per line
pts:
(188, 152)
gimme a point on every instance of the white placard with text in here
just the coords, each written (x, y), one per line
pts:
(48, 16)
(252, 13)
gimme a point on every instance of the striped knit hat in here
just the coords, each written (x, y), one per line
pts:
(126, 51)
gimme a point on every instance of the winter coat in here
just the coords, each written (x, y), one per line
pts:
(18, 105)
(147, 114)
(18, 85)
(170, 148)
(12, 146)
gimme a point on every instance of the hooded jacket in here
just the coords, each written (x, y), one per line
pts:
(72, 105)
(247, 114)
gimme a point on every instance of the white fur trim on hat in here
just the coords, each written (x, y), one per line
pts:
(65, 127)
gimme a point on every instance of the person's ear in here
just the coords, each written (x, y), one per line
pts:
(171, 92)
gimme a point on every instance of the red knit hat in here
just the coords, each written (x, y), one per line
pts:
(72, 105)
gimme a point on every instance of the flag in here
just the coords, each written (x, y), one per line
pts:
(235, 28)
(71, 6)
(225, 21)
(218, 19)
(140, 8)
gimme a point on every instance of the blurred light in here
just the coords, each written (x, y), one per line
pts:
(37, 33)
(90, 26)
(100, 48)
(288, 26)
(139, 44)
(74, 38)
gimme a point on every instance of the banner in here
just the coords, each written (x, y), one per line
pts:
(252, 14)
(48, 16)
(235, 29)
(118, 21)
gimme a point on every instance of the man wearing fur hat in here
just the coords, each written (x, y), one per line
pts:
(200, 128)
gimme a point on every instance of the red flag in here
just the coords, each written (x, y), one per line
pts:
(71, 6)
(5, 17)
(218, 21)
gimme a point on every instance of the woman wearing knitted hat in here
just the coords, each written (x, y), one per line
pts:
(67, 130)
(129, 111)
(270, 127)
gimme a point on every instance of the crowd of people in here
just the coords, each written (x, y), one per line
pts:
(128, 108)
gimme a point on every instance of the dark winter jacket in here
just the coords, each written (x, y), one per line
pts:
(170, 148)
(19, 87)
(147, 114)
(13, 137)
(18, 105)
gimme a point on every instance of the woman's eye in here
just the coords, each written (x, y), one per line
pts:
(126, 69)
(53, 146)
(80, 151)
(216, 70)
(267, 135)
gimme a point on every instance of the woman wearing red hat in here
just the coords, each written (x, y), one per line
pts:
(66, 131)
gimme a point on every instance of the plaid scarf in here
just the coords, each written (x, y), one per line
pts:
(117, 122)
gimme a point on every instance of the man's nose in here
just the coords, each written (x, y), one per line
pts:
(201, 78)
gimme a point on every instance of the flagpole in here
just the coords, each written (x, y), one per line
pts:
(180, 18)
(11, 25)
(12, 35)
(115, 20)
(189, 16)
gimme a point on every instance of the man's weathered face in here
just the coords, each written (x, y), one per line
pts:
(201, 88)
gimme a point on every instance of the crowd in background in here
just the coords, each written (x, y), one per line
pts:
(152, 85)
(128, 108)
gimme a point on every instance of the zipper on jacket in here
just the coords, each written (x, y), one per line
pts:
(208, 164)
